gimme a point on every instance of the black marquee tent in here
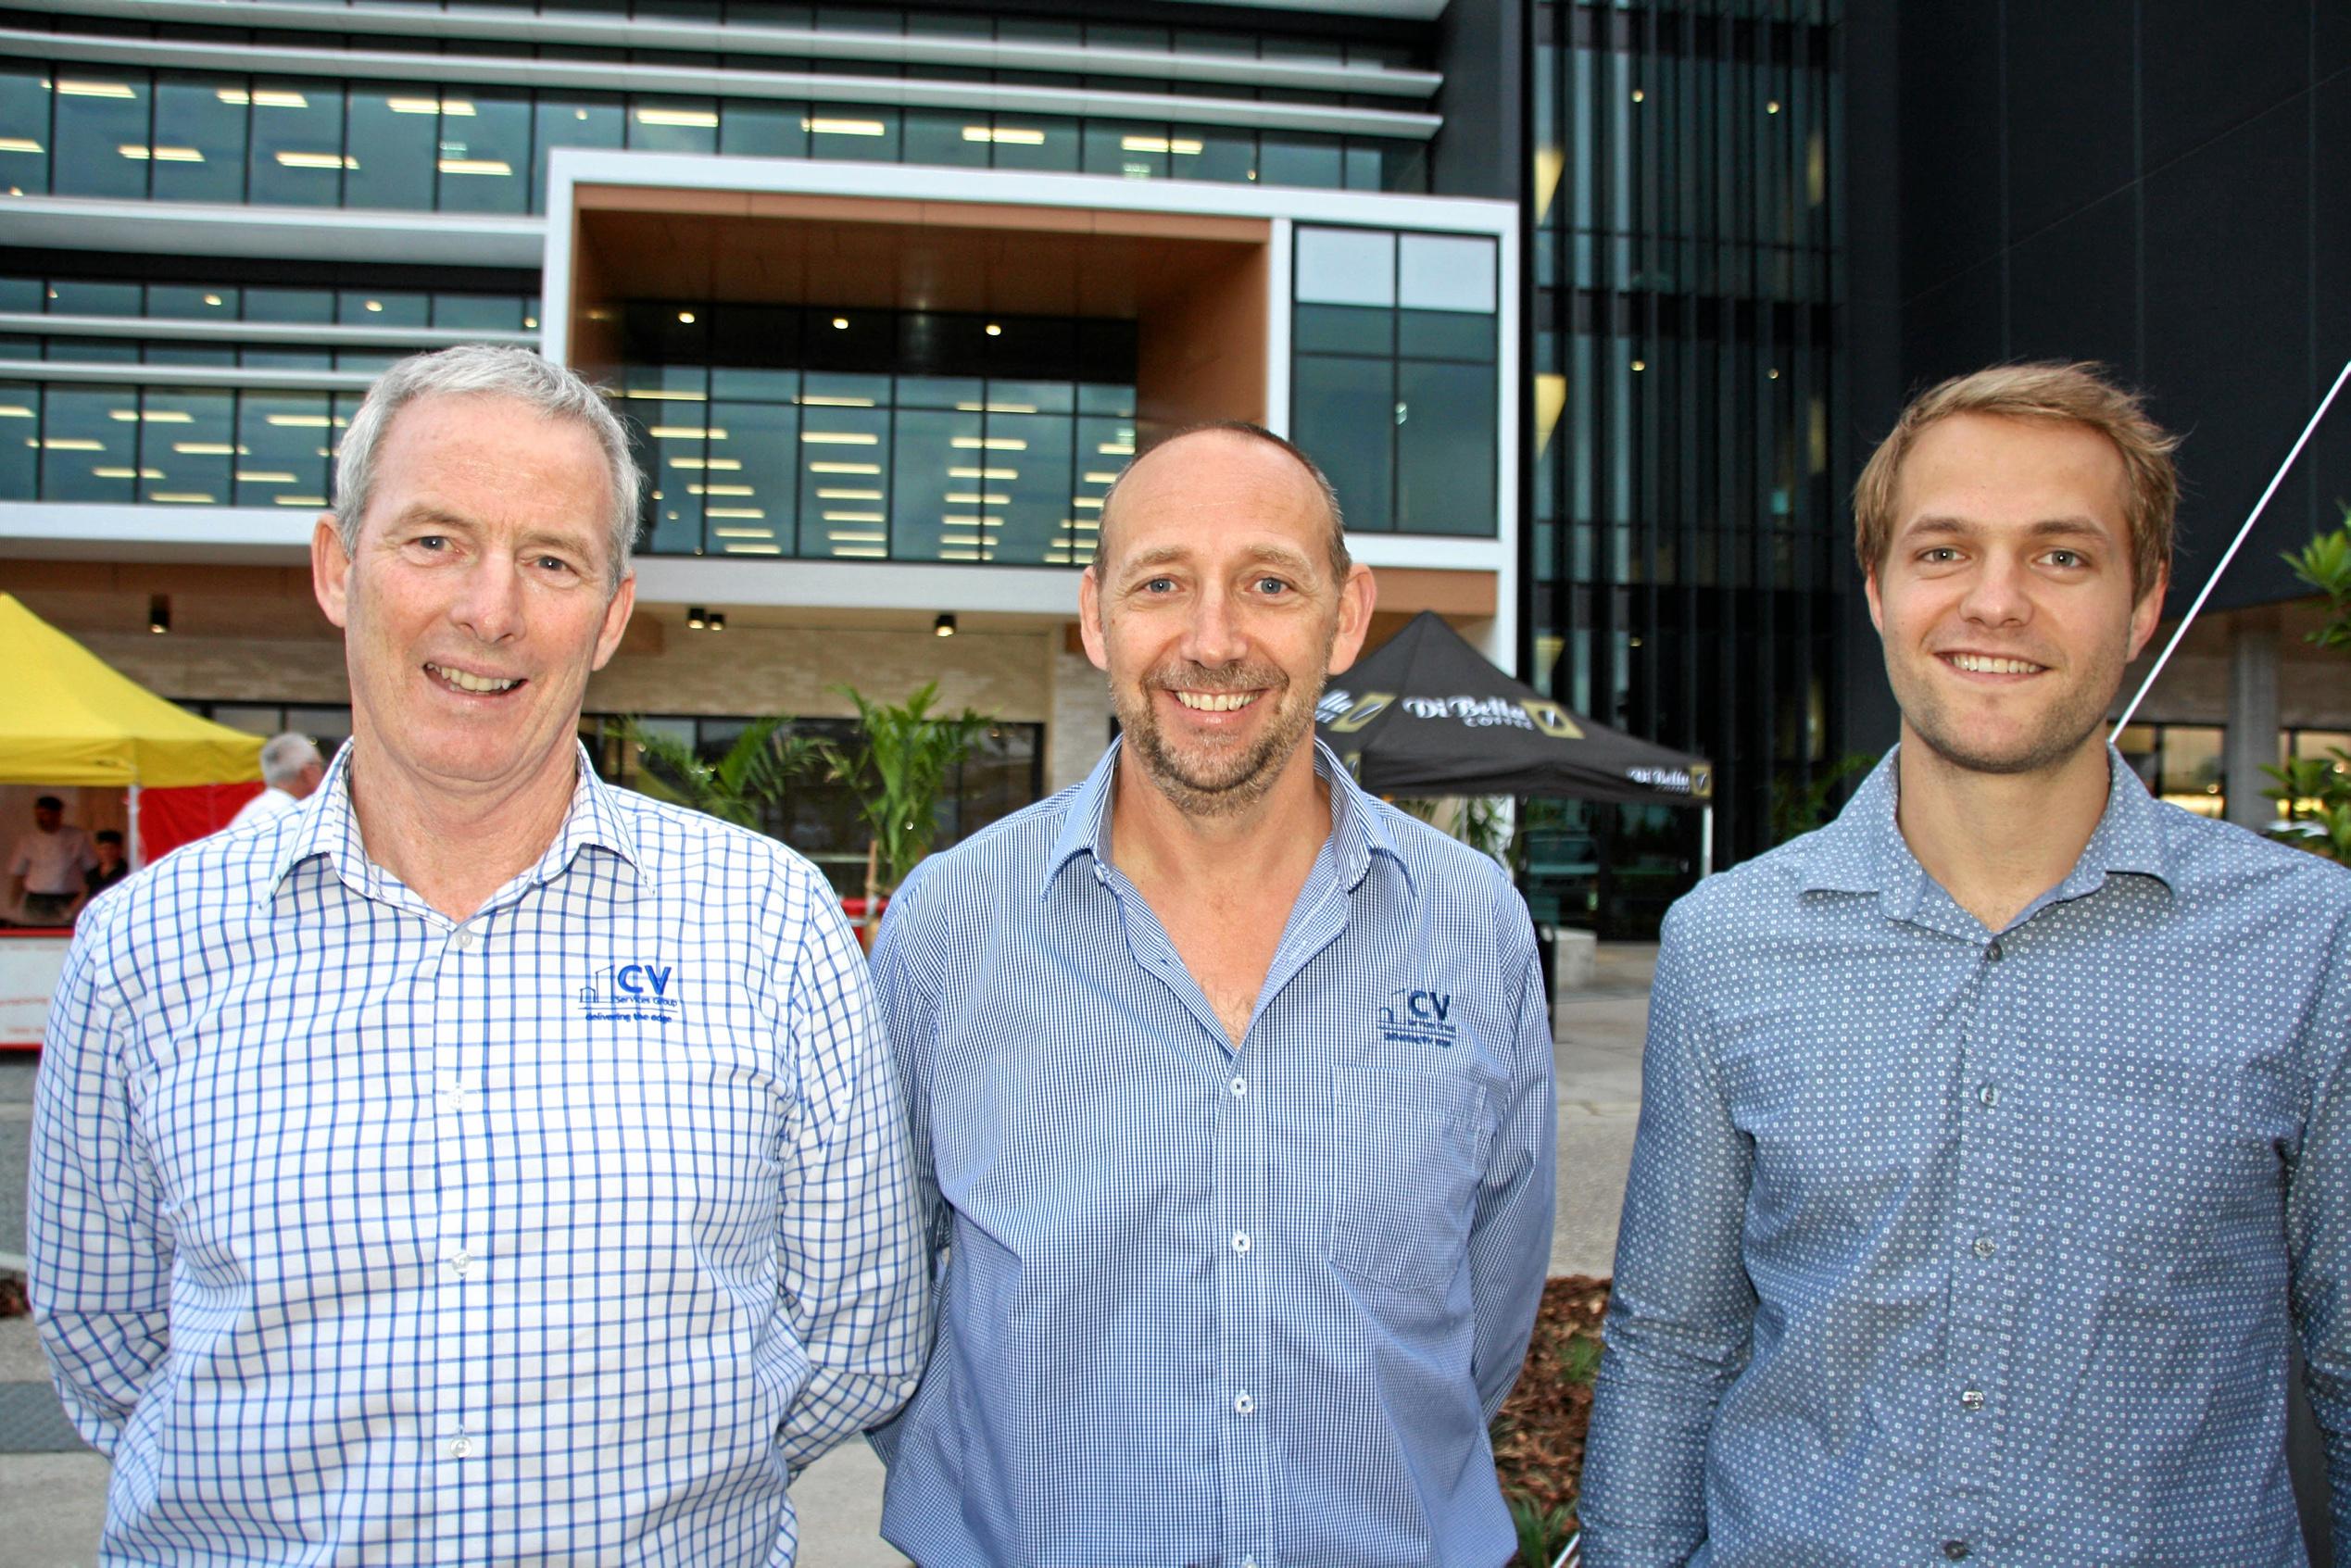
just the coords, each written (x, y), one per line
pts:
(1426, 714)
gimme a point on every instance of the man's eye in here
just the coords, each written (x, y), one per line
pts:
(553, 563)
(432, 541)
(1273, 585)
(1940, 554)
(2065, 557)
(1159, 586)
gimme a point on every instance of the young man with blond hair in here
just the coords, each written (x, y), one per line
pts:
(1993, 1144)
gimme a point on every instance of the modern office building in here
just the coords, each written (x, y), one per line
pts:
(1591, 309)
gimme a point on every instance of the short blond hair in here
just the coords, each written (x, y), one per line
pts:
(2049, 389)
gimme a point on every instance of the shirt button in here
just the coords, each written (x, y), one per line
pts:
(1986, 1247)
(459, 1262)
(1954, 1549)
(1243, 1404)
(1971, 1400)
(1240, 1088)
(460, 1447)
(1989, 1095)
(1991, 954)
(463, 937)
(1240, 1241)
(453, 1097)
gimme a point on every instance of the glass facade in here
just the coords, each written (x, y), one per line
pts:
(877, 436)
(1685, 526)
(72, 130)
(1392, 381)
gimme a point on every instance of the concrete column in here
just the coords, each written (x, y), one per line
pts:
(2252, 740)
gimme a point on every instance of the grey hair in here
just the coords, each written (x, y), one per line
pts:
(479, 369)
(1335, 543)
(284, 756)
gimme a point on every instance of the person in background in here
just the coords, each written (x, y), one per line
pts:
(1994, 1139)
(290, 770)
(475, 1163)
(45, 871)
(113, 864)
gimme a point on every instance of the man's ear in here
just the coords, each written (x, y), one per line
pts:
(1876, 606)
(616, 621)
(330, 569)
(2148, 610)
(1356, 596)
(1089, 619)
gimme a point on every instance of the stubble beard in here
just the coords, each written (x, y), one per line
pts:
(2057, 739)
(1218, 781)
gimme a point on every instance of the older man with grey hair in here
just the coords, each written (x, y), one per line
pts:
(291, 769)
(475, 1163)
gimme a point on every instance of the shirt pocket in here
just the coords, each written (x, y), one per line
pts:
(1411, 1149)
(2151, 1149)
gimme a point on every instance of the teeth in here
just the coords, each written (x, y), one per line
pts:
(1976, 664)
(1215, 702)
(465, 683)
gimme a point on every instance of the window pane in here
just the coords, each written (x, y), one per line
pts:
(394, 133)
(1299, 160)
(81, 296)
(679, 457)
(309, 306)
(1033, 141)
(1344, 415)
(865, 133)
(1344, 329)
(194, 302)
(747, 511)
(1445, 448)
(86, 454)
(762, 129)
(297, 156)
(1445, 272)
(284, 433)
(101, 132)
(673, 125)
(1445, 334)
(485, 156)
(1043, 497)
(844, 455)
(1228, 157)
(19, 440)
(572, 121)
(947, 136)
(1136, 150)
(185, 446)
(24, 130)
(1345, 267)
(199, 140)
(477, 312)
(943, 471)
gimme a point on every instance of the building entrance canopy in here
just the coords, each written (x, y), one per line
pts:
(1427, 715)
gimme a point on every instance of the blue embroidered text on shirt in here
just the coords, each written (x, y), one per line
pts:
(1418, 1020)
(638, 993)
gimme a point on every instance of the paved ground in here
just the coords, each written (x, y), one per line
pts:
(52, 1503)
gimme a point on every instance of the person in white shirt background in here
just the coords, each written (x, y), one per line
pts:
(291, 769)
(46, 868)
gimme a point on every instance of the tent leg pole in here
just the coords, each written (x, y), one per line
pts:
(1706, 843)
(137, 859)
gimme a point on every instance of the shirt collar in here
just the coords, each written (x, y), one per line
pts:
(1357, 834)
(326, 826)
(1863, 850)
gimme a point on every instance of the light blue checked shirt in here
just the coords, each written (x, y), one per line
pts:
(1947, 1244)
(564, 1235)
(1248, 1307)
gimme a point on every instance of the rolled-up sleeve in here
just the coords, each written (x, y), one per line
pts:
(849, 1246)
(1681, 1308)
(99, 1248)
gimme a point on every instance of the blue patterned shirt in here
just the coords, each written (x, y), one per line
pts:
(562, 1233)
(1251, 1308)
(1944, 1244)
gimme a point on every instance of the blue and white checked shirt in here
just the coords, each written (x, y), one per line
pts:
(1947, 1245)
(1248, 1307)
(564, 1235)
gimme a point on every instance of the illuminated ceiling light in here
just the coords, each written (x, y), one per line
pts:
(817, 401)
(210, 449)
(751, 513)
(670, 396)
(374, 305)
(858, 552)
(1640, 363)
(1772, 106)
(453, 106)
(718, 617)
(152, 416)
(945, 625)
(1117, 448)
(988, 444)
(248, 476)
(845, 468)
(69, 89)
(983, 474)
(65, 443)
(975, 498)
(15, 411)
(1098, 477)
(1772, 374)
(840, 323)
(695, 618)
(699, 119)
(137, 154)
(1638, 96)
(300, 500)
(530, 321)
(267, 98)
(1018, 136)
(687, 432)
(319, 160)
(127, 473)
(838, 438)
(686, 317)
(721, 490)
(1182, 146)
(995, 331)
(853, 516)
(1090, 502)
(213, 299)
(158, 613)
(832, 494)
(854, 536)
(744, 532)
(822, 127)
(18, 144)
(709, 465)
(299, 422)
(473, 166)
(181, 498)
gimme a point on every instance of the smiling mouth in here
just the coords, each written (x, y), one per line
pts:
(1985, 664)
(1214, 702)
(478, 686)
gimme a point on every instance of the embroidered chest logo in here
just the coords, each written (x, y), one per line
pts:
(641, 992)
(1418, 1018)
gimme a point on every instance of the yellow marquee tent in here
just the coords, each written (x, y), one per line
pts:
(67, 718)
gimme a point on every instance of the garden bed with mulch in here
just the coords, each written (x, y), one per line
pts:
(1539, 1435)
